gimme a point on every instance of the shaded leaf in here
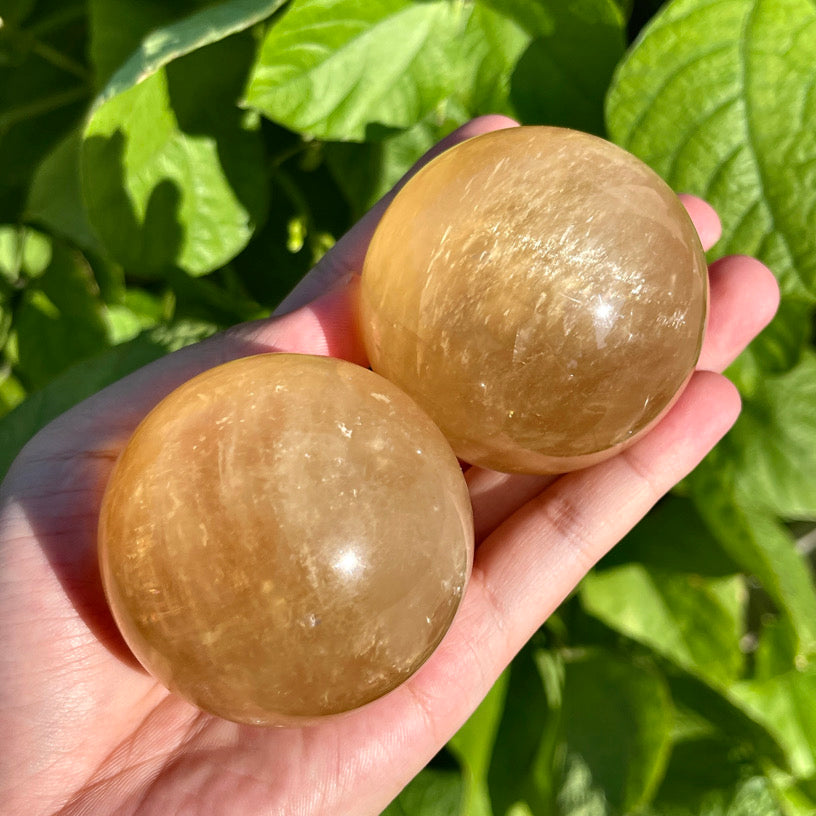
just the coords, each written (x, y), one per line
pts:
(170, 174)
(113, 43)
(85, 379)
(473, 747)
(166, 44)
(759, 544)
(617, 720)
(366, 172)
(673, 537)
(562, 77)
(694, 622)
(786, 706)
(55, 197)
(751, 796)
(717, 716)
(772, 445)
(61, 319)
(521, 768)
(44, 90)
(432, 793)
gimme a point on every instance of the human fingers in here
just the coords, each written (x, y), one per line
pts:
(705, 219)
(347, 255)
(744, 299)
(530, 563)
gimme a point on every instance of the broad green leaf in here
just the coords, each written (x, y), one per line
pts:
(706, 713)
(521, 770)
(493, 40)
(562, 77)
(773, 445)
(699, 771)
(786, 706)
(673, 537)
(85, 379)
(694, 622)
(341, 69)
(55, 197)
(716, 96)
(366, 172)
(112, 42)
(749, 796)
(776, 647)
(473, 747)
(434, 792)
(44, 89)
(171, 174)
(617, 721)
(166, 44)
(761, 546)
(60, 320)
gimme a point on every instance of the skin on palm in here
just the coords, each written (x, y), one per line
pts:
(91, 732)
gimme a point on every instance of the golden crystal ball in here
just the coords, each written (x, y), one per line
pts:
(541, 293)
(285, 537)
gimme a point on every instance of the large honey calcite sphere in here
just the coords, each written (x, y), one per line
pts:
(541, 293)
(285, 537)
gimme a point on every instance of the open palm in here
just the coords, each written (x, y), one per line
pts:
(91, 732)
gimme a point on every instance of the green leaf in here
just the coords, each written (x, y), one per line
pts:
(772, 445)
(55, 197)
(751, 796)
(562, 77)
(44, 89)
(694, 622)
(60, 319)
(785, 706)
(521, 767)
(741, 72)
(798, 797)
(85, 379)
(172, 177)
(112, 43)
(700, 769)
(776, 647)
(12, 392)
(473, 747)
(760, 545)
(433, 792)
(493, 40)
(166, 44)
(617, 719)
(335, 69)
(24, 252)
(366, 172)
(673, 537)
(717, 715)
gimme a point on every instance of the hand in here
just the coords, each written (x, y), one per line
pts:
(91, 732)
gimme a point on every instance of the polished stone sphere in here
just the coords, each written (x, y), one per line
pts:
(541, 293)
(285, 537)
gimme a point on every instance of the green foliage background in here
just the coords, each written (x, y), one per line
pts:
(168, 169)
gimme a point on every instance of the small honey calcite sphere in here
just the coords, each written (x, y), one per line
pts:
(285, 537)
(541, 293)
